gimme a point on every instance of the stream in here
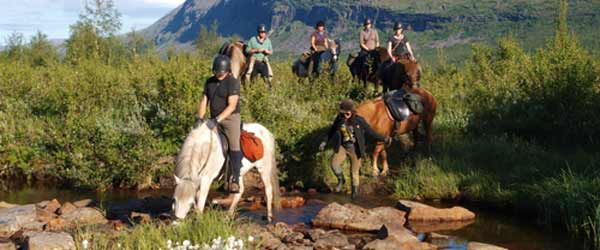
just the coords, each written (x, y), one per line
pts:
(510, 231)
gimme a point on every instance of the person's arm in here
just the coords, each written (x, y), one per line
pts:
(412, 55)
(313, 42)
(232, 101)
(389, 49)
(376, 38)
(361, 40)
(252, 47)
(269, 50)
(202, 107)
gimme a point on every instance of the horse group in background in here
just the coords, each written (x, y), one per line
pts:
(305, 65)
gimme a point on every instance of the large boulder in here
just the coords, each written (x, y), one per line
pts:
(421, 212)
(399, 233)
(354, 218)
(84, 216)
(13, 219)
(483, 246)
(49, 240)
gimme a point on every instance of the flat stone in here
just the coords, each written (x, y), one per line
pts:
(7, 205)
(399, 233)
(13, 219)
(34, 226)
(49, 240)
(393, 244)
(44, 215)
(421, 212)
(355, 218)
(83, 203)
(483, 246)
(51, 206)
(66, 208)
(84, 216)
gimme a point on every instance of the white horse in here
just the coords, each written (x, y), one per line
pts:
(200, 161)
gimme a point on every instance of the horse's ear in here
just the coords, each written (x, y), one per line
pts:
(177, 180)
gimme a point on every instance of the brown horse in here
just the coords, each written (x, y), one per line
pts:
(235, 51)
(376, 114)
(365, 72)
(403, 73)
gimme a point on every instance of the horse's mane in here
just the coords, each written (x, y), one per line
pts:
(188, 163)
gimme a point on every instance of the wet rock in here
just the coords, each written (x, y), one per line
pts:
(393, 244)
(48, 240)
(85, 216)
(355, 218)
(44, 215)
(6, 244)
(13, 219)
(443, 241)
(483, 246)
(421, 212)
(292, 202)
(428, 226)
(140, 217)
(398, 232)
(66, 208)
(7, 205)
(50, 206)
(331, 240)
(83, 203)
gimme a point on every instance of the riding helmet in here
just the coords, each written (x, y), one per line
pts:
(398, 25)
(261, 28)
(367, 22)
(221, 65)
(347, 105)
(320, 23)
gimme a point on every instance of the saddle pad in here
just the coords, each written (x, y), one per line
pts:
(252, 146)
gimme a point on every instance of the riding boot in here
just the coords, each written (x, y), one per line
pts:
(354, 192)
(340, 184)
(235, 161)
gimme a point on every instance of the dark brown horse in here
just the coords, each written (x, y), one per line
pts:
(367, 72)
(403, 73)
(376, 114)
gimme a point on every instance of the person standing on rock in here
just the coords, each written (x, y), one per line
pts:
(349, 131)
(222, 92)
(259, 47)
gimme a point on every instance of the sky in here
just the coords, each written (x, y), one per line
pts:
(53, 17)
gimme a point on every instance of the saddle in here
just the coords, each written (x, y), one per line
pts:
(400, 104)
(252, 146)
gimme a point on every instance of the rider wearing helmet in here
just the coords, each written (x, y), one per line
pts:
(222, 94)
(398, 46)
(318, 45)
(259, 47)
(368, 40)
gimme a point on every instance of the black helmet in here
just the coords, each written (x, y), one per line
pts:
(347, 105)
(398, 25)
(320, 24)
(221, 65)
(261, 28)
(367, 21)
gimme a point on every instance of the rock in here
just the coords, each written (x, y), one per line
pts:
(116, 225)
(443, 241)
(7, 205)
(301, 248)
(57, 224)
(66, 208)
(51, 206)
(315, 234)
(331, 240)
(44, 215)
(271, 243)
(312, 191)
(393, 244)
(428, 226)
(83, 203)
(34, 226)
(399, 233)
(421, 212)
(13, 219)
(354, 218)
(294, 237)
(85, 216)
(6, 244)
(140, 217)
(292, 202)
(279, 230)
(48, 240)
(483, 246)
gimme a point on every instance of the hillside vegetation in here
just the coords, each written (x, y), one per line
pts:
(515, 129)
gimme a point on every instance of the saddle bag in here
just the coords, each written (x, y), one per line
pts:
(401, 104)
(252, 146)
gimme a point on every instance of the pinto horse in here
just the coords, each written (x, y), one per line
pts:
(376, 114)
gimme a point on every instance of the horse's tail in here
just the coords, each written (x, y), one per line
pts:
(275, 177)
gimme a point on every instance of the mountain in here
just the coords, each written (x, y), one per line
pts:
(434, 24)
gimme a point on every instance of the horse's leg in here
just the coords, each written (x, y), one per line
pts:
(384, 162)
(238, 196)
(265, 175)
(202, 193)
(378, 148)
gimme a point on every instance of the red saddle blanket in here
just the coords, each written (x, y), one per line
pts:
(252, 146)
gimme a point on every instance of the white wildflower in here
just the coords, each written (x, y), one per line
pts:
(84, 244)
(250, 238)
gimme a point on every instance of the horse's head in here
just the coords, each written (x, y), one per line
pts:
(184, 196)
(334, 48)
(191, 160)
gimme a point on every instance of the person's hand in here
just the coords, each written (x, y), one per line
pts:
(260, 50)
(388, 141)
(211, 123)
(322, 146)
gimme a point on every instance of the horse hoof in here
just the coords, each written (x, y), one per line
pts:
(384, 173)
(375, 173)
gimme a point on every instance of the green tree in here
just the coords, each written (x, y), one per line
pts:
(41, 51)
(208, 41)
(15, 47)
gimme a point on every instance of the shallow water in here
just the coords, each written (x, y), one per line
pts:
(490, 227)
